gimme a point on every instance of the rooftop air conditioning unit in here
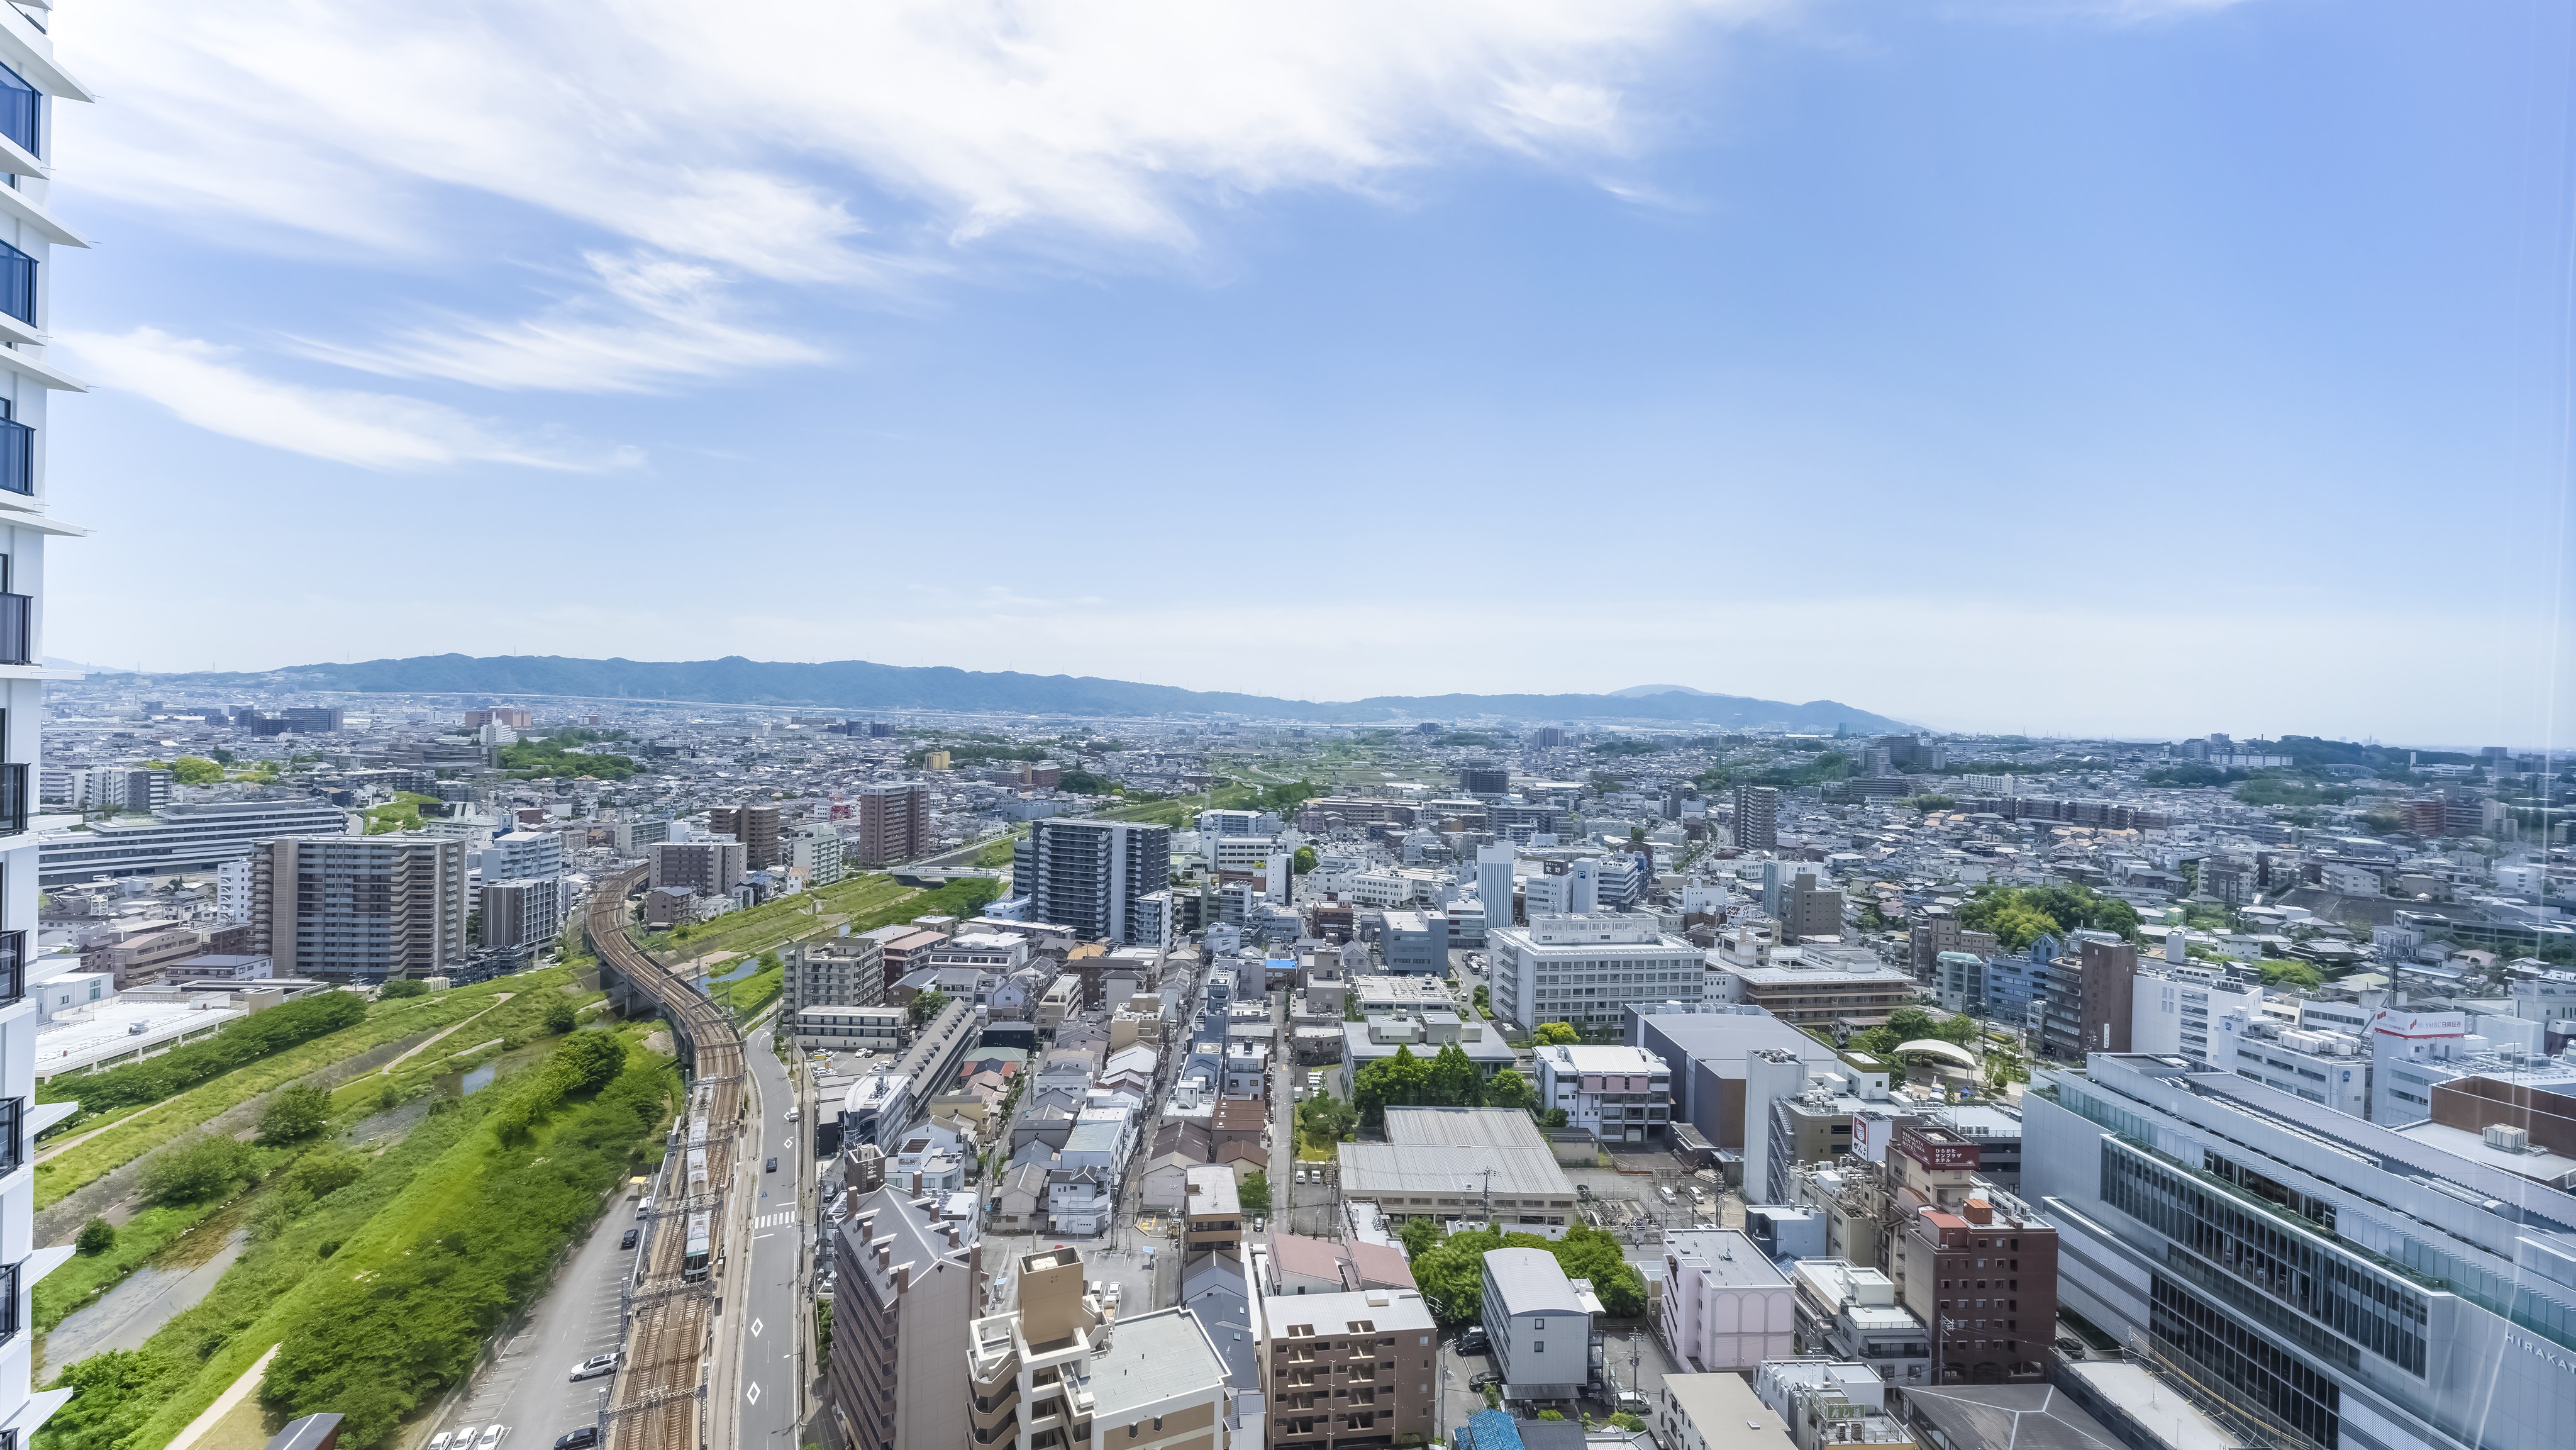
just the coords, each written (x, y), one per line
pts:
(2507, 1138)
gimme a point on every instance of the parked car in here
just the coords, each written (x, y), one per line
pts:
(644, 1206)
(772, 1168)
(1471, 1340)
(791, 1114)
(581, 1439)
(439, 1441)
(625, 1241)
(492, 1436)
(594, 1367)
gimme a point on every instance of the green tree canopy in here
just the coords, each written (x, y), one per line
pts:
(1254, 1194)
(1556, 1034)
(1508, 1089)
(927, 1006)
(96, 1237)
(205, 1170)
(195, 770)
(294, 1113)
(558, 1014)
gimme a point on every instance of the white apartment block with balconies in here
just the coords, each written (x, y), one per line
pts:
(30, 84)
(1619, 1094)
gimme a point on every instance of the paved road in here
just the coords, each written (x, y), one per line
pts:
(769, 1289)
(529, 1388)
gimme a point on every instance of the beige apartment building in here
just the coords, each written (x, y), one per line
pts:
(1058, 1374)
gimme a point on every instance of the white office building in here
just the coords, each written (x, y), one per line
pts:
(2331, 1068)
(1585, 969)
(2187, 1012)
(30, 83)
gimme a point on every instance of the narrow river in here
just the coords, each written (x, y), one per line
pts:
(130, 1313)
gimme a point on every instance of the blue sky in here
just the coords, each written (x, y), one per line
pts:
(2149, 368)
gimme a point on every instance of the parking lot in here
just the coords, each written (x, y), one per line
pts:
(525, 1389)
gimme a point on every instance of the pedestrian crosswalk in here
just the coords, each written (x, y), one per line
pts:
(774, 1220)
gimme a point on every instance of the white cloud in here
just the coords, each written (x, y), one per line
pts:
(203, 385)
(758, 137)
(650, 321)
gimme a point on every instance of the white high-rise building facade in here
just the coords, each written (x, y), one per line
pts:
(30, 84)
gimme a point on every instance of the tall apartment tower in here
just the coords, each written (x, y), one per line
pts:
(30, 83)
(894, 821)
(1757, 817)
(1088, 876)
(755, 827)
(359, 908)
(903, 1294)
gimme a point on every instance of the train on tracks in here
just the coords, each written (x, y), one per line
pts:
(659, 1402)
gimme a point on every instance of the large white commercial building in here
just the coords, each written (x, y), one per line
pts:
(1585, 969)
(197, 837)
(30, 83)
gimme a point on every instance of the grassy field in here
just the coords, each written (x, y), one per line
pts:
(123, 1142)
(517, 1025)
(806, 914)
(746, 995)
(425, 1221)
(1183, 810)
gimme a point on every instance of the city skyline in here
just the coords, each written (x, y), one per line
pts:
(2151, 352)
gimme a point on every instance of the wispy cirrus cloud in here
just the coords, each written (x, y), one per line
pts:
(205, 384)
(648, 322)
(811, 142)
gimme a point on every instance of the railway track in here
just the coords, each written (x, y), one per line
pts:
(661, 1397)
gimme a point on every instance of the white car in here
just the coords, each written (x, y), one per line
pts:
(594, 1367)
(491, 1436)
(1301, 1174)
(439, 1440)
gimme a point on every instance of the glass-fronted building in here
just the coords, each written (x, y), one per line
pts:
(2333, 1282)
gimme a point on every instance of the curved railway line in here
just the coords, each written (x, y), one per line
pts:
(660, 1401)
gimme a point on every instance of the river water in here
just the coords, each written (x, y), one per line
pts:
(130, 1313)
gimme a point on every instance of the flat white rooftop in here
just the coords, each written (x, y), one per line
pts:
(110, 1031)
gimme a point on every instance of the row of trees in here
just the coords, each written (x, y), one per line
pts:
(260, 1035)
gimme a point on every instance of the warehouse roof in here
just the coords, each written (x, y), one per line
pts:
(1369, 1169)
(1463, 1128)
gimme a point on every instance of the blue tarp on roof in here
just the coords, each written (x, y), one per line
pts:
(1488, 1430)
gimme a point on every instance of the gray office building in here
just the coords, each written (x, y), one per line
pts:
(2334, 1282)
(1417, 943)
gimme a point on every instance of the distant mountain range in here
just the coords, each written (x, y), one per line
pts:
(857, 685)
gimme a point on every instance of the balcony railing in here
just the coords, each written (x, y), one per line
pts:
(13, 799)
(22, 112)
(17, 629)
(17, 457)
(13, 1134)
(13, 965)
(9, 1303)
(17, 284)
